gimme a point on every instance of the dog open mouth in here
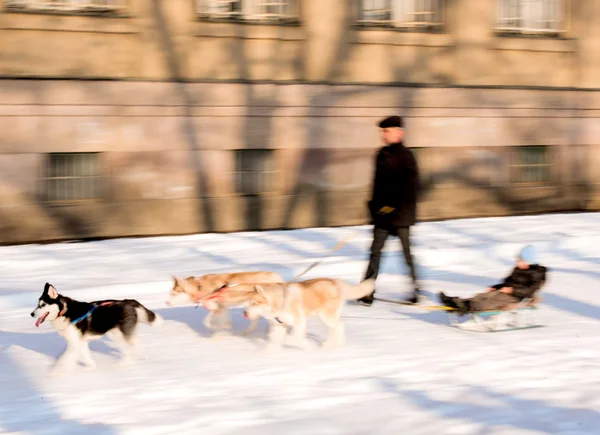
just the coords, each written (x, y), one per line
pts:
(41, 320)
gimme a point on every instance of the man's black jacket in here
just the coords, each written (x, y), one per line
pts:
(396, 185)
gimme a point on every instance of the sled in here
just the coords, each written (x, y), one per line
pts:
(520, 317)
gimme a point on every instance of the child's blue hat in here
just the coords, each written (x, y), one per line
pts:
(528, 254)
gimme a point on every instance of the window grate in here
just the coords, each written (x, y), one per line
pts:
(530, 164)
(254, 171)
(531, 16)
(401, 13)
(251, 10)
(73, 177)
(67, 5)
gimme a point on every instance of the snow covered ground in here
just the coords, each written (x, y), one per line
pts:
(402, 371)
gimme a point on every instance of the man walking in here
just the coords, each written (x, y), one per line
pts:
(393, 206)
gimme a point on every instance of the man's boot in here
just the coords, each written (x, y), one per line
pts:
(366, 301)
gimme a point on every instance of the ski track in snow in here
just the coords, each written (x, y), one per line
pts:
(402, 371)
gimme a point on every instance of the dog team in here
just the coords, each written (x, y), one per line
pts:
(286, 307)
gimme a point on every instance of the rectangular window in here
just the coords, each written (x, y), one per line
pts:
(530, 165)
(401, 13)
(250, 10)
(73, 177)
(74, 6)
(254, 172)
(531, 16)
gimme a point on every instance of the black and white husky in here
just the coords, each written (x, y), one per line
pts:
(81, 322)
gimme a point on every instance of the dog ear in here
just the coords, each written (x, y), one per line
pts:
(260, 291)
(51, 291)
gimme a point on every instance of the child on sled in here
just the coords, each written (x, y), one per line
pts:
(524, 281)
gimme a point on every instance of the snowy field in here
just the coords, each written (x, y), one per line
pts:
(402, 371)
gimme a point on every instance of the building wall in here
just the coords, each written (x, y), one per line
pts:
(166, 99)
(154, 37)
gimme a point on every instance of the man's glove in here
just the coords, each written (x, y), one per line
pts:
(386, 210)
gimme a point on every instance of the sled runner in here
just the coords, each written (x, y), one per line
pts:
(520, 317)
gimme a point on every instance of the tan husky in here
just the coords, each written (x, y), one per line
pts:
(196, 289)
(291, 304)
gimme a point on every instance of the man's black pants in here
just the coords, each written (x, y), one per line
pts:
(380, 235)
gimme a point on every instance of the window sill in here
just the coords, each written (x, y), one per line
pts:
(69, 202)
(532, 184)
(76, 13)
(67, 23)
(244, 30)
(539, 43)
(283, 22)
(394, 36)
(426, 28)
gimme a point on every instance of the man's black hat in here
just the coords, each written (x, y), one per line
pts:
(391, 121)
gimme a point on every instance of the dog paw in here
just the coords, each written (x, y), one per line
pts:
(248, 331)
(271, 349)
(302, 343)
(220, 335)
(124, 362)
(330, 344)
(89, 367)
(57, 372)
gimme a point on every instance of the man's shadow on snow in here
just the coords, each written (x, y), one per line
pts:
(525, 414)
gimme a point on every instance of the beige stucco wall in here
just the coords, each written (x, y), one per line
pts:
(312, 92)
(325, 46)
(165, 162)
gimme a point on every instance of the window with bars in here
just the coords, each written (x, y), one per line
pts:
(530, 164)
(401, 13)
(75, 6)
(72, 177)
(531, 16)
(254, 171)
(250, 10)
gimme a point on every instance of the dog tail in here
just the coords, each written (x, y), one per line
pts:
(147, 316)
(351, 292)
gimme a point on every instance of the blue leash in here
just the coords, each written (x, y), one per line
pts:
(85, 316)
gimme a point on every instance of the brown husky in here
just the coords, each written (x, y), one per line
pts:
(196, 289)
(291, 304)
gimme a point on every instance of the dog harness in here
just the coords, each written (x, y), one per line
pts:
(88, 314)
(218, 294)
